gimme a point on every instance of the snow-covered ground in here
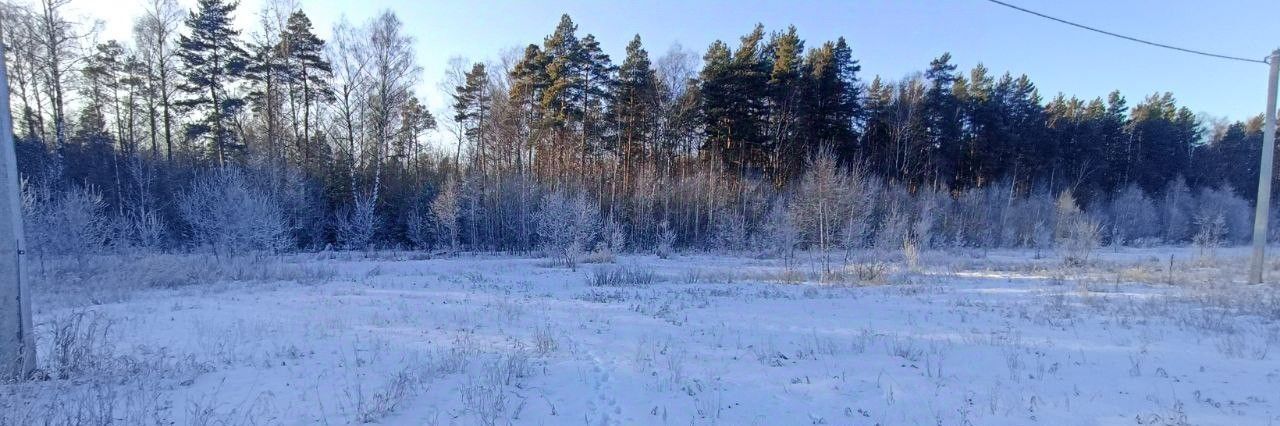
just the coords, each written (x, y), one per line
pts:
(395, 338)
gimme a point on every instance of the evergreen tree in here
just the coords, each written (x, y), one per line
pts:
(472, 103)
(634, 106)
(598, 81)
(1114, 134)
(562, 99)
(734, 102)
(307, 73)
(1160, 142)
(1025, 135)
(832, 103)
(213, 62)
(943, 123)
(578, 75)
(528, 81)
(784, 94)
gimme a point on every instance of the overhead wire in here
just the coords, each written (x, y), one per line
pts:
(1122, 36)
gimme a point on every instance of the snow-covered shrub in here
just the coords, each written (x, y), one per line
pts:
(373, 403)
(1029, 221)
(70, 222)
(729, 234)
(418, 227)
(827, 200)
(666, 240)
(859, 222)
(145, 229)
(301, 200)
(357, 224)
(779, 235)
(982, 216)
(226, 212)
(472, 215)
(977, 212)
(621, 277)
(1237, 214)
(1075, 233)
(895, 228)
(1210, 227)
(446, 212)
(567, 225)
(80, 344)
(930, 207)
(614, 239)
(1133, 216)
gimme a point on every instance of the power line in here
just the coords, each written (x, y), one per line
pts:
(1151, 43)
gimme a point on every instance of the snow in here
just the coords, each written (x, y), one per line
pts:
(394, 338)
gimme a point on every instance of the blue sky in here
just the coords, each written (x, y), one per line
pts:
(889, 38)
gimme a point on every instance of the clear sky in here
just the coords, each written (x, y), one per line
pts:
(889, 38)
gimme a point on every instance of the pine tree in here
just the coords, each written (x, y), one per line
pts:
(472, 105)
(1113, 131)
(785, 88)
(717, 97)
(597, 90)
(832, 102)
(265, 77)
(213, 62)
(561, 100)
(1024, 131)
(634, 107)
(528, 80)
(943, 123)
(307, 72)
(734, 92)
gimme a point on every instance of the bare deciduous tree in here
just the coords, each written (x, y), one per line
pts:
(231, 215)
(446, 210)
(567, 225)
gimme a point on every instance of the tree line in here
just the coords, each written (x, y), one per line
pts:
(200, 135)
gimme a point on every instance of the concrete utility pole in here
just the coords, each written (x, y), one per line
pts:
(17, 342)
(1263, 208)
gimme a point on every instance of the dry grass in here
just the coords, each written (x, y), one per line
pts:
(96, 280)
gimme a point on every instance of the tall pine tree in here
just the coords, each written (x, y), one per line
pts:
(213, 62)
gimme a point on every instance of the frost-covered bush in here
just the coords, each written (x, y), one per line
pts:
(567, 226)
(931, 207)
(446, 210)
(1210, 227)
(621, 277)
(820, 205)
(300, 198)
(1029, 221)
(859, 221)
(1236, 213)
(358, 223)
(1133, 216)
(730, 231)
(144, 229)
(224, 210)
(613, 239)
(472, 208)
(895, 228)
(666, 240)
(833, 206)
(70, 222)
(779, 235)
(418, 227)
(979, 213)
(1075, 233)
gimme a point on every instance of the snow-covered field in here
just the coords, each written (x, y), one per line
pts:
(395, 338)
